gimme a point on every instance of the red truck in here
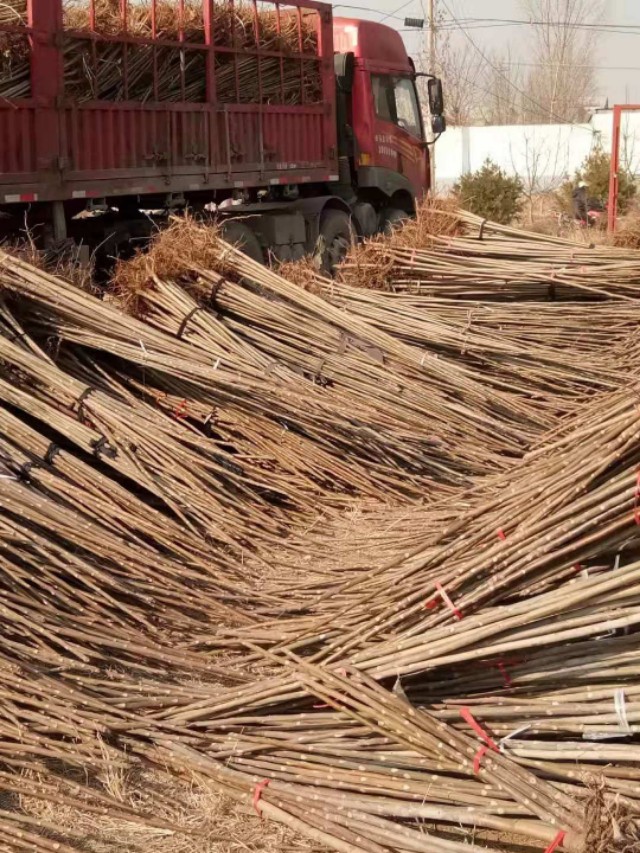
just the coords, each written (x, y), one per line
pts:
(290, 124)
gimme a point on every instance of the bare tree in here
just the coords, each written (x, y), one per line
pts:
(541, 162)
(502, 81)
(629, 155)
(461, 71)
(554, 84)
(563, 79)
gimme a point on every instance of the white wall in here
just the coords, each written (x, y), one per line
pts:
(629, 136)
(542, 155)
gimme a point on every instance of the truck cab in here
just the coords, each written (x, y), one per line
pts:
(381, 129)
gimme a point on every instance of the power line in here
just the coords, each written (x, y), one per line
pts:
(498, 71)
(373, 11)
(395, 11)
(550, 23)
(595, 66)
(491, 23)
(497, 23)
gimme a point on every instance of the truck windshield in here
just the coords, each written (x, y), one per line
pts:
(396, 100)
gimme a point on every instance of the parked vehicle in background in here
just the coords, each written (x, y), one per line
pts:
(290, 124)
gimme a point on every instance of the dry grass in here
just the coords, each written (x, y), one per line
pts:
(627, 235)
(63, 261)
(303, 273)
(233, 24)
(13, 12)
(435, 220)
(108, 18)
(173, 254)
(213, 823)
(609, 828)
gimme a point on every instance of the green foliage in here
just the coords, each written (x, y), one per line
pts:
(490, 193)
(595, 171)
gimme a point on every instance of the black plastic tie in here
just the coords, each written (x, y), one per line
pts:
(17, 336)
(186, 319)
(51, 453)
(24, 471)
(101, 447)
(82, 399)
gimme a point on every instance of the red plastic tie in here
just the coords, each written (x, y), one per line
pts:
(557, 842)
(578, 567)
(636, 500)
(445, 597)
(468, 717)
(501, 534)
(257, 795)
(180, 410)
(480, 754)
(502, 666)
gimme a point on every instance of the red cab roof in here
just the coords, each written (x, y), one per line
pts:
(375, 44)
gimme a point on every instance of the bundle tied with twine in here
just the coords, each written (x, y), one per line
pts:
(365, 375)
(452, 254)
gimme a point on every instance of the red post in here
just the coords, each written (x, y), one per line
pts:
(614, 173)
(45, 20)
(614, 167)
(325, 58)
(210, 40)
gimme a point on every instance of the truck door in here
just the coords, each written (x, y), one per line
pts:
(398, 129)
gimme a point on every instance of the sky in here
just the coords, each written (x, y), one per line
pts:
(617, 56)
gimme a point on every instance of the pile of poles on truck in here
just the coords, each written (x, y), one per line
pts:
(361, 555)
(157, 52)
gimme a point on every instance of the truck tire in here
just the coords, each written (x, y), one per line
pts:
(243, 238)
(392, 218)
(337, 235)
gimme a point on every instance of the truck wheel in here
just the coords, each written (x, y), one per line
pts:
(338, 236)
(243, 238)
(392, 218)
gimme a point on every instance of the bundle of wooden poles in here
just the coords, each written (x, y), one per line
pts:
(367, 562)
(537, 353)
(453, 254)
(15, 56)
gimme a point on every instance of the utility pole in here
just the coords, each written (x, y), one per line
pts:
(432, 35)
(432, 70)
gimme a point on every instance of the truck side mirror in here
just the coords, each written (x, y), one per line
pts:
(436, 98)
(344, 65)
(438, 124)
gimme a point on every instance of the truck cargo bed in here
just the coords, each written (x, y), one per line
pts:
(160, 97)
